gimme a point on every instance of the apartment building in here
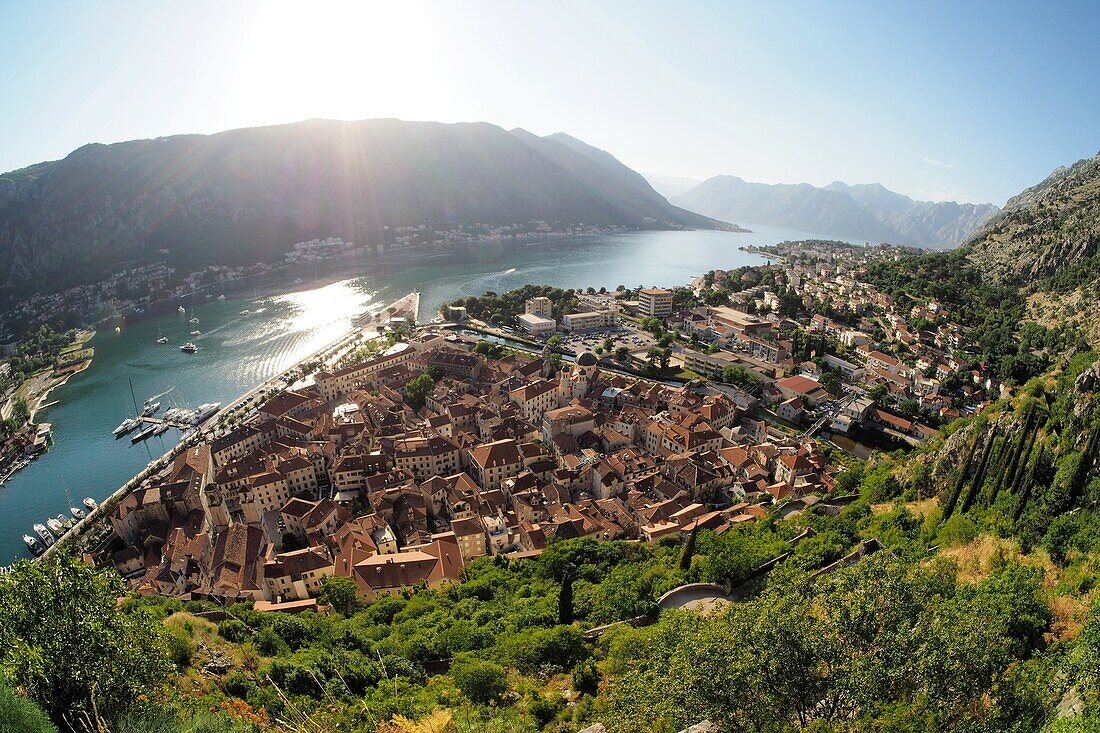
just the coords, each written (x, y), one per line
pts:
(655, 302)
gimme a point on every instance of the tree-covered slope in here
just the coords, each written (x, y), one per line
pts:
(246, 195)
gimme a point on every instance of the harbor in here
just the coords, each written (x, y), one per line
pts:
(90, 531)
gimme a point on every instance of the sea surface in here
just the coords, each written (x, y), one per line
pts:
(288, 320)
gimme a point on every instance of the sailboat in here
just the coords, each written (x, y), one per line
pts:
(76, 511)
(161, 338)
(194, 318)
(181, 309)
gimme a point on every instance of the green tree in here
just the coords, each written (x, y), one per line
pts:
(417, 390)
(340, 592)
(64, 640)
(479, 680)
(565, 599)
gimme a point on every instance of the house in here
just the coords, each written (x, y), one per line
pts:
(431, 564)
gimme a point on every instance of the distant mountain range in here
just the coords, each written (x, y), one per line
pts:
(246, 195)
(867, 212)
(671, 186)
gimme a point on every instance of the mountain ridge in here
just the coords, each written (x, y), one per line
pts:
(245, 195)
(868, 212)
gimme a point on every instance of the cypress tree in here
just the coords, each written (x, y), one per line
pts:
(689, 549)
(1021, 465)
(1019, 448)
(1025, 486)
(979, 474)
(953, 497)
(565, 599)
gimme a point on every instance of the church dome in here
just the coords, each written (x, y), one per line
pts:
(586, 359)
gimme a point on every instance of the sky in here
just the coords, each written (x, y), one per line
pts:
(969, 101)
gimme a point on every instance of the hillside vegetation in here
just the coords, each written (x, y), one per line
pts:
(1047, 243)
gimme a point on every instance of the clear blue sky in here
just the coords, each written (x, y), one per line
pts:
(942, 100)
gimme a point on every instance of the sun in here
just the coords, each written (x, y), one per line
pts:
(339, 59)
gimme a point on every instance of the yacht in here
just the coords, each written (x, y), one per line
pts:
(126, 426)
(181, 309)
(193, 320)
(205, 410)
(189, 348)
(150, 409)
(160, 429)
(162, 340)
(44, 534)
(77, 512)
(144, 434)
(221, 297)
(66, 522)
(196, 332)
(33, 545)
(55, 526)
(91, 503)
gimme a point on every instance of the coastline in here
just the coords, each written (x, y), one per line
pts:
(88, 525)
(62, 379)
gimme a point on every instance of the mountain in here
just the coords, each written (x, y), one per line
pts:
(1047, 241)
(798, 206)
(1045, 231)
(868, 212)
(671, 186)
(246, 195)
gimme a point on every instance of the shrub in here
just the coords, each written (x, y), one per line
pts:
(234, 631)
(479, 680)
(180, 647)
(20, 715)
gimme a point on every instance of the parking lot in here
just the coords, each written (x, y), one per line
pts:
(623, 336)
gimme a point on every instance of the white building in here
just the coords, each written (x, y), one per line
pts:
(540, 306)
(589, 320)
(536, 325)
(655, 302)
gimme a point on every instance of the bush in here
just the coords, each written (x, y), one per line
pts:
(20, 715)
(234, 631)
(180, 647)
(586, 678)
(479, 680)
(556, 649)
(545, 709)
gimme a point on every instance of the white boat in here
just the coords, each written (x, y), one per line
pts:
(126, 426)
(160, 429)
(221, 297)
(196, 332)
(193, 320)
(246, 312)
(162, 340)
(118, 329)
(44, 534)
(189, 348)
(150, 408)
(55, 526)
(91, 503)
(33, 545)
(145, 433)
(205, 410)
(66, 522)
(181, 309)
(77, 512)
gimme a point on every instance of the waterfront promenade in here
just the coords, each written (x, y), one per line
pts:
(91, 531)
